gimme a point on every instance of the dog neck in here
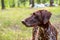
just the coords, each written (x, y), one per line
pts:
(45, 25)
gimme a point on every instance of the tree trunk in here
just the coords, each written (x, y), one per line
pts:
(59, 2)
(2, 3)
(44, 1)
(18, 3)
(38, 1)
(13, 5)
(51, 2)
(56, 1)
(31, 2)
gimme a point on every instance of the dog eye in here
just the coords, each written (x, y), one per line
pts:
(33, 13)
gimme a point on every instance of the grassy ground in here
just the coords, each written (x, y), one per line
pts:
(11, 27)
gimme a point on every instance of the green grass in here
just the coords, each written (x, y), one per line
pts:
(11, 27)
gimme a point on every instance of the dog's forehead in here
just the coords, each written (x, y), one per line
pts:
(40, 11)
(37, 12)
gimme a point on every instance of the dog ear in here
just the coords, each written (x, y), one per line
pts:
(46, 17)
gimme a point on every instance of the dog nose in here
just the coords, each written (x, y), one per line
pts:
(23, 22)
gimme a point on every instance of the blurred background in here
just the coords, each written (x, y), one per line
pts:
(13, 11)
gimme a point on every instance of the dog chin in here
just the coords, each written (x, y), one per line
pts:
(28, 25)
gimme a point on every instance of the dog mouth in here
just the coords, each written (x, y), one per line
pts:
(26, 24)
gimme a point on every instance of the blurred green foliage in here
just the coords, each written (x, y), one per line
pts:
(23, 3)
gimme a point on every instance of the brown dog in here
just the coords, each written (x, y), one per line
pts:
(40, 20)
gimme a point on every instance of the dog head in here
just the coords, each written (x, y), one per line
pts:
(37, 18)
